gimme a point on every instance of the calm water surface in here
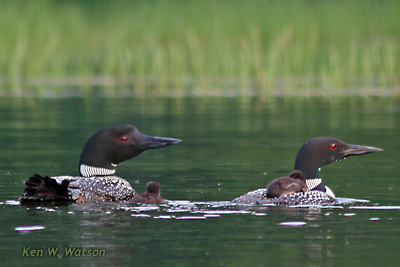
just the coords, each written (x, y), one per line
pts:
(230, 146)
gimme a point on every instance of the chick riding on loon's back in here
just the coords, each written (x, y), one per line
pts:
(104, 150)
(304, 184)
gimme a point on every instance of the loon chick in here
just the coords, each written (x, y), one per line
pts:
(314, 154)
(151, 196)
(104, 150)
(295, 182)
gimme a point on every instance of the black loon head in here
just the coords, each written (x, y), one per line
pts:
(110, 146)
(321, 151)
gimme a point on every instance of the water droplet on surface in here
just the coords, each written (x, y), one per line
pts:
(294, 223)
(12, 202)
(191, 218)
(141, 215)
(29, 228)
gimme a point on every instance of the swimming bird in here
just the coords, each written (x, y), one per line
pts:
(304, 185)
(151, 196)
(98, 182)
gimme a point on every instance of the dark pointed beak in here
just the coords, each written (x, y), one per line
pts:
(352, 150)
(151, 142)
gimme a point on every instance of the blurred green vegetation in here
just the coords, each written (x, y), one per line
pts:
(200, 47)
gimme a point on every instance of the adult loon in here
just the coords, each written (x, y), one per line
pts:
(104, 150)
(304, 185)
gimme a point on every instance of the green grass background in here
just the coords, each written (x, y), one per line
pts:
(200, 47)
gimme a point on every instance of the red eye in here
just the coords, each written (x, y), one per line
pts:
(333, 146)
(124, 138)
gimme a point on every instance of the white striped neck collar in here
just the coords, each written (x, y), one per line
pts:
(317, 185)
(313, 183)
(89, 171)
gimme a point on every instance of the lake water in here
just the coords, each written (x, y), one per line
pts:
(231, 146)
